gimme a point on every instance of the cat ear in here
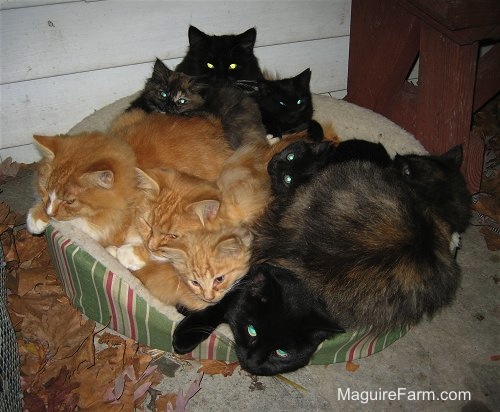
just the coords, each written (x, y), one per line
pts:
(160, 70)
(247, 39)
(304, 78)
(453, 156)
(47, 145)
(176, 256)
(230, 247)
(322, 147)
(195, 35)
(146, 182)
(99, 178)
(206, 210)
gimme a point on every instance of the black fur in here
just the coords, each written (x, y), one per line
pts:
(221, 52)
(284, 315)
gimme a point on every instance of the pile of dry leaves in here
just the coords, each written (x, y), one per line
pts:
(487, 202)
(66, 364)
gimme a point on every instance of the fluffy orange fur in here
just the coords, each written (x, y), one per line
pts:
(193, 145)
(88, 179)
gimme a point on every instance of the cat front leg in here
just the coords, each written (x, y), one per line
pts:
(133, 257)
(196, 327)
(37, 219)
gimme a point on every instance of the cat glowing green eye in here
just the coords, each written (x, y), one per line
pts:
(233, 66)
(182, 101)
(290, 157)
(251, 330)
(283, 103)
(210, 66)
(287, 179)
(281, 353)
(163, 94)
(299, 101)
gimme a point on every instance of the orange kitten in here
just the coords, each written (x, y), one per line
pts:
(163, 282)
(171, 204)
(209, 262)
(193, 145)
(90, 180)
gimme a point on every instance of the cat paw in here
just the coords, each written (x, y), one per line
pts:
(188, 341)
(127, 257)
(455, 242)
(272, 140)
(112, 250)
(34, 225)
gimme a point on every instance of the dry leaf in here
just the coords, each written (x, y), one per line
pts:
(351, 366)
(182, 400)
(495, 357)
(217, 367)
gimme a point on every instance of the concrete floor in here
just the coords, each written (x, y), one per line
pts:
(451, 353)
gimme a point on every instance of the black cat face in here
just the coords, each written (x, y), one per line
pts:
(438, 180)
(225, 57)
(296, 164)
(277, 324)
(289, 100)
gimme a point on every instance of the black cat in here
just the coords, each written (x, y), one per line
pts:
(276, 323)
(286, 106)
(224, 58)
(300, 161)
(177, 93)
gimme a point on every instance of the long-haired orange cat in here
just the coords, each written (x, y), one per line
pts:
(90, 180)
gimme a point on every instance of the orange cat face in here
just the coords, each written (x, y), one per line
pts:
(211, 262)
(87, 178)
(173, 203)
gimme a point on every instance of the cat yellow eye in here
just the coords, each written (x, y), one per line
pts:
(233, 66)
(281, 353)
(210, 66)
(251, 330)
(290, 157)
(287, 179)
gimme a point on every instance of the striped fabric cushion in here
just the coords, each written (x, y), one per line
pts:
(105, 296)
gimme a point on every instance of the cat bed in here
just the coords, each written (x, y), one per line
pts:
(101, 288)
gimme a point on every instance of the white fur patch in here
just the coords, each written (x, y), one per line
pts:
(126, 256)
(35, 226)
(50, 204)
(455, 242)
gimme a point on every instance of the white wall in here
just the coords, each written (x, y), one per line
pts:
(62, 60)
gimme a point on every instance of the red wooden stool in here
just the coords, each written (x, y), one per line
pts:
(387, 36)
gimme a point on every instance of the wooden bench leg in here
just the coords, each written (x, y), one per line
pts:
(447, 74)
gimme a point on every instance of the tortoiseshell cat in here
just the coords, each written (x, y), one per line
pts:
(177, 93)
(286, 106)
(89, 180)
(366, 244)
(223, 58)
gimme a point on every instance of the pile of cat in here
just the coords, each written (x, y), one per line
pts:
(223, 196)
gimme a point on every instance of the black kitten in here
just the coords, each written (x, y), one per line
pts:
(277, 324)
(177, 93)
(226, 58)
(300, 161)
(286, 106)
(375, 243)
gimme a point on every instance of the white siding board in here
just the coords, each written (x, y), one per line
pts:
(54, 105)
(66, 38)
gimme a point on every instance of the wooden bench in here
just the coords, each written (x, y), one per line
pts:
(387, 37)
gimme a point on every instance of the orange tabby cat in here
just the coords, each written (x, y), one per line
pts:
(90, 180)
(193, 145)
(172, 203)
(207, 264)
